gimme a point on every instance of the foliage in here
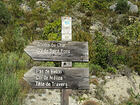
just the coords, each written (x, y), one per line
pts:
(15, 10)
(13, 41)
(52, 31)
(130, 34)
(9, 89)
(100, 50)
(100, 4)
(58, 7)
(134, 57)
(81, 65)
(106, 54)
(96, 4)
(95, 69)
(11, 62)
(5, 15)
(111, 70)
(122, 6)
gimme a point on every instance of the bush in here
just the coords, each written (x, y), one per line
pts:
(52, 31)
(9, 89)
(106, 54)
(122, 6)
(101, 50)
(111, 70)
(13, 40)
(10, 62)
(58, 7)
(5, 15)
(100, 4)
(95, 69)
(129, 34)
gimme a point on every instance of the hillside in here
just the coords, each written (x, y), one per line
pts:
(111, 28)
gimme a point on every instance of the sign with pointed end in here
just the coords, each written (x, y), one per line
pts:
(58, 50)
(58, 78)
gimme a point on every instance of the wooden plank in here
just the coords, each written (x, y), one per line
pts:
(66, 36)
(58, 51)
(58, 78)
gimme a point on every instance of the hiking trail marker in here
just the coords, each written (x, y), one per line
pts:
(64, 77)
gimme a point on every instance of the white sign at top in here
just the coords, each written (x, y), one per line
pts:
(66, 29)
(66, 25)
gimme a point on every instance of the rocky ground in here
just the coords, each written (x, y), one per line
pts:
(110, 90)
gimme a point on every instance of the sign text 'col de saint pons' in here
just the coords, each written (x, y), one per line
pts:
(65, 51)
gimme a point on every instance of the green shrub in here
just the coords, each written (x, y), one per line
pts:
(122, 6)
(101, 50)
(129, 34)
(13, 40)
(58, 7)
(93, 4)
(86, 5)
(107, 54)
(9, 89)
(95, 69)
(81, 65)
(99, 4)
(11, 62)
(111, 70)
(5, 15)
(52, 31)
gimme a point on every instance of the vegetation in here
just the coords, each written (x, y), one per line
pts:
(122, 6)
(18, 28)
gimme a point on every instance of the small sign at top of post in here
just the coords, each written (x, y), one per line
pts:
(66, 29)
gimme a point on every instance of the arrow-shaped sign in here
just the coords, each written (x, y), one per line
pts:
(58, 51)
(58, 78)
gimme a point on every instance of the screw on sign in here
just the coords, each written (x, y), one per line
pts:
(64, 77)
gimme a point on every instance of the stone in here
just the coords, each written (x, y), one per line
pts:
(41, 4)
(93, 77)
(25, 8)
(133, 9)
(113, 7)
(85, 96)
(107, 77)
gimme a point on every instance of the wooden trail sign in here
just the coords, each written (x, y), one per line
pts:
(58, 78)
(65, 77)
(58, 50)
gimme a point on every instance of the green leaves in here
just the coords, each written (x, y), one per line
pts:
(122, 6)
(5, 15)
(52, 31)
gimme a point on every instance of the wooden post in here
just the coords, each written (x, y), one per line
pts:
(66, 36)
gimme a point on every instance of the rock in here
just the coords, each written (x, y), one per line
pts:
(1, 40)
(107, 77)
(133, 8)
(25, 8)
(96, 26)
(41, 4)
(93, 77)
(85, 96)
(113, 7)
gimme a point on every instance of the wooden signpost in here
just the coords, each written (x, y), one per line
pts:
(58, 78)
(58, 51)
(64, 77)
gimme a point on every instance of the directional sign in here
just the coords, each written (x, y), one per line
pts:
(66, 25)
(66, 29)
(58, 51)
(58, 78)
